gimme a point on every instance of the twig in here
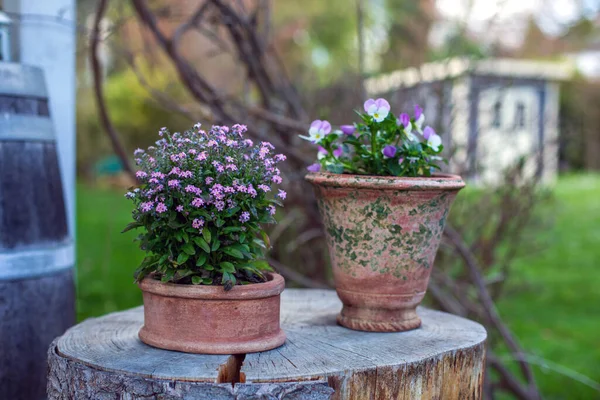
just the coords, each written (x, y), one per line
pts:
(489, 306)
(297, 277)
(99, 91)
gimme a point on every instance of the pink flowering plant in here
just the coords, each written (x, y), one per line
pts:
(202, 201)
(382, 144)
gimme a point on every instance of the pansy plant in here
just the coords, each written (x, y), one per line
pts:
(202, 200)
(382, 144)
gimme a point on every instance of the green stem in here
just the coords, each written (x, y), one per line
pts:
(374, 151)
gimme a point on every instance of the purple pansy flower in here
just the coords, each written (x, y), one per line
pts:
(419, 116)
(314, 167)
(428, 132)
(347, 129)
(378, 109)
(389, 151)
(404, 120)
(433, 140)
(317, 131)
(336, 153)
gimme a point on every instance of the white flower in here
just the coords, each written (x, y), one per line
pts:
(317, 131)
(378, 109)
(434, 142)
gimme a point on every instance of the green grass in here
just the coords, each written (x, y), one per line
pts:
(552, 304)
(106, 258)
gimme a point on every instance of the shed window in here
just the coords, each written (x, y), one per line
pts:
(520, 115)
(497, 115)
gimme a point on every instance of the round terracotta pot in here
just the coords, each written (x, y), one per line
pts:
(383, 234)
(209, 320)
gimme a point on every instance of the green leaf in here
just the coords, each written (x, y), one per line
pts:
(252, 210)
(228, 281)
(268, 218)
(183, 273)
(206, 234)
(201, 260)
(167, 276)
(202, 244)
(394, 167)
(175, 224)
(178, 236)
(230, 229)
(196, 280)
(219, 223)
(226, 266)
(208, 267)
(215, 245)
(233, 252)
(207, 281)
(189, 249)
(266, 239)
(262, 265)
(182, 258)
(335, 168)
(132, 225)
(259, 242)
(231, 211)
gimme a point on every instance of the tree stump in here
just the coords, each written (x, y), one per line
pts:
(103, 358)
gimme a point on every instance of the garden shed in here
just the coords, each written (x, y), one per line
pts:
(491, 112)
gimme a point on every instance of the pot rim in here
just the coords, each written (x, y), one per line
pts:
(435, 182)
(273, 287)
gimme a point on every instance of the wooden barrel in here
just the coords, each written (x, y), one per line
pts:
(36, 252)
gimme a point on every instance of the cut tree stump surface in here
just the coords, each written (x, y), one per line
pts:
(102, 358)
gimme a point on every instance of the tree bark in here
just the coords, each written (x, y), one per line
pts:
(103, 359)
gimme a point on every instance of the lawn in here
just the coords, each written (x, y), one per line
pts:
(553, 306)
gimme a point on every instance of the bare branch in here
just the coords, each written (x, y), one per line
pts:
(489, 306)
(99, 91)
(296, 277)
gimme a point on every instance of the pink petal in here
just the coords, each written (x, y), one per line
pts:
(316, 124)
(428, 132)
(368, 104)
(382, 103)
(325, 127)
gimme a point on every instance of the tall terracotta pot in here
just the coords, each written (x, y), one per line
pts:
(383, 234)
(209, 320)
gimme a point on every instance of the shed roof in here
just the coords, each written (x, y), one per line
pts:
(455, 67)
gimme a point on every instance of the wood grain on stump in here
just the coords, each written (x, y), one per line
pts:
(103, 358)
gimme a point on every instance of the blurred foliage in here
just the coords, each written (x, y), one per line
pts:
(458, 44)
(316, 33)
(408, 33)
(579, 122)
(320, 37)
(136, 115)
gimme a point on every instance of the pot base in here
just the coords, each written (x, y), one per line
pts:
(378, 320)
(224, 348)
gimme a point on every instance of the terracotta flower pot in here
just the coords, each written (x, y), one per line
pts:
(209, 320)
(383, 234)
